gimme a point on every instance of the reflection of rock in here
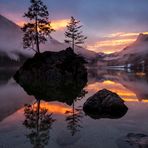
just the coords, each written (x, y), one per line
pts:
(53, 76)
(133, 141)
(105, 104)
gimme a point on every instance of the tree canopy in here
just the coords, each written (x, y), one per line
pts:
(73, 33)
(38, 28)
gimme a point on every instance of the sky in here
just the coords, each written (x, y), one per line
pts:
(110, 25)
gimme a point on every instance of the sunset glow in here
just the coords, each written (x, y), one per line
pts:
(59, 24)
(108, 43)
(110, 46)
(55, 108)
(125, 94)
(73, 74)
(123, 34)
(56, 24)
(114, 42)
(20, 23)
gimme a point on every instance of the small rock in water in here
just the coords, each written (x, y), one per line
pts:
(133, 140)
(105, 104)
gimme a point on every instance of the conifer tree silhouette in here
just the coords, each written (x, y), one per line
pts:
(38, 28)
(73, 33)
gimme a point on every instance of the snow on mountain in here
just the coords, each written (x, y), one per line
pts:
(11, 42)
(139, 47)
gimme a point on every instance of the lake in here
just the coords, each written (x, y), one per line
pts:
(69, 126)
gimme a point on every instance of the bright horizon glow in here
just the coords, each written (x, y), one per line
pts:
(114, 42)
(55, 24)
(124, 93)
(110, 46)
(55, 108)
(108, 43)
(59, 24)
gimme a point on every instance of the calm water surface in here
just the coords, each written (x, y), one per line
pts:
(69, 126)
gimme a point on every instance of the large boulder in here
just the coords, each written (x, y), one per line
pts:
(53, 76)
(105, 104)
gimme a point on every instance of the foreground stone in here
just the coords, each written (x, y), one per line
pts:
(105, 104)
(53, 76)
(133, 140)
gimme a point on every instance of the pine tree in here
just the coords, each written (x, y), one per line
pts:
(74, 34)
(39, 27)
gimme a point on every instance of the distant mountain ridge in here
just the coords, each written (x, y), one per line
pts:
(139, 46)
(133, 55)
(11, 43)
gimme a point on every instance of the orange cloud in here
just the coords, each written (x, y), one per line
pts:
(56, 24)
(110, 46)
(59, 24)
(114, 42)
(123, 34)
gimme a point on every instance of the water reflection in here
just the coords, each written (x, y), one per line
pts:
(130, 86)
(6, 74)
(73, 119)
(133, 140)
(39, 122)
(62, 86)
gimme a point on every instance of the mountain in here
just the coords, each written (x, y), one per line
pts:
(135, 55)
(11, 43)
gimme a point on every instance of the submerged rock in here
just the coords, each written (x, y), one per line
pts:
(133, 140)
(53, 76)
(105, 104)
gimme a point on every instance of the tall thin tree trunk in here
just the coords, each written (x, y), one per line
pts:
(38, 115)
(37, 36)
(73, 42)
(73, 108)
(73, 45)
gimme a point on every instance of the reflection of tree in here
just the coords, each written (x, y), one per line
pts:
(74, 116)
(39, 121)
(73, 120)
(81, 95)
